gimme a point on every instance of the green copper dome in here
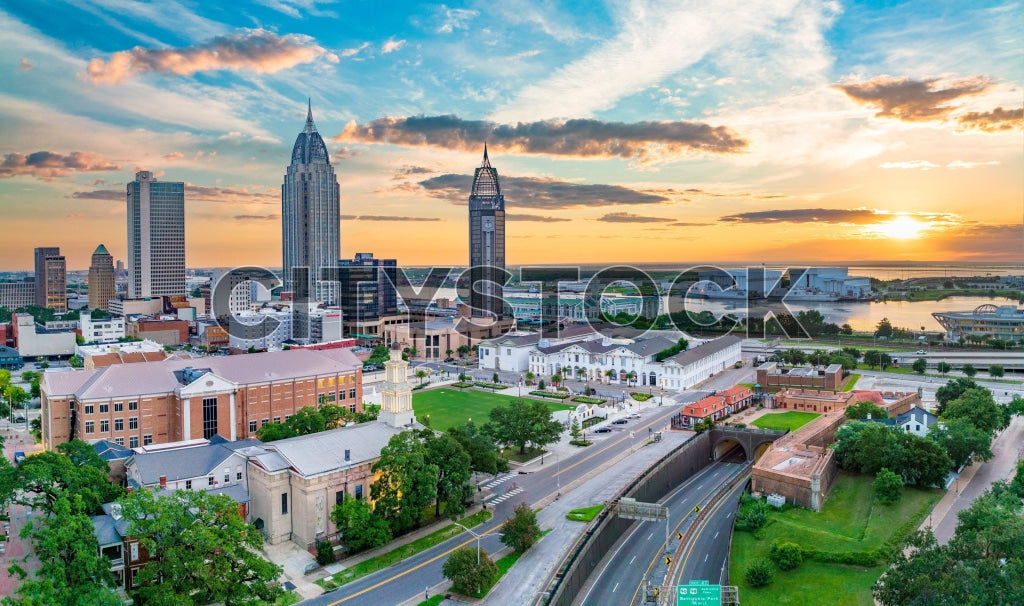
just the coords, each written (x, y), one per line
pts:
(101, 250)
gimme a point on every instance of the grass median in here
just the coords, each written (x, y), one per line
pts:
(372, 565)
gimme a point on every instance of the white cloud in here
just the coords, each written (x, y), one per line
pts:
(352, 52)
(392, 45)
(910, 164)
(955, 164)
(455, 18)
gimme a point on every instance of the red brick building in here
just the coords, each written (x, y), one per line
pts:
(718, 405)
(184, 399)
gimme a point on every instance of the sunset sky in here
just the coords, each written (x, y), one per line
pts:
(635, 131)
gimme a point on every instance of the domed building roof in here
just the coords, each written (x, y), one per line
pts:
(100, 250)
(309, 145)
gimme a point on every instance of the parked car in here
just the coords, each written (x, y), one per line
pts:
(19, 419)
(619, 422)
(603, 430)
(449, 360)
(921, 352)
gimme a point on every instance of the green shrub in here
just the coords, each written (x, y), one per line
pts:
(786, 555)
(888, 486)
(641, 397)
(759, 573)
(588, 400)
(324, 553)
(752, 516)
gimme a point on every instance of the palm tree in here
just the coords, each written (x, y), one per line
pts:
(556, 379)
(530, 377)
(631, 376)
(420, 374)
(610, 374)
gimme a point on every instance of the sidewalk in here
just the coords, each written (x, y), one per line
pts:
(16, 548)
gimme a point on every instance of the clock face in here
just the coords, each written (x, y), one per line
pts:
(487, 223)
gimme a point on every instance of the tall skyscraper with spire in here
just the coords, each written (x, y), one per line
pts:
(310, 211)
(486, 241)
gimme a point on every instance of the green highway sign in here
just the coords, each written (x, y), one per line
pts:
(698, 593)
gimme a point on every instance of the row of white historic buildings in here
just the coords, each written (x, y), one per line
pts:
(581, 354)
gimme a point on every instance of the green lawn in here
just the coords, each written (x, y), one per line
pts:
(584, 514)
(791, 420)
(451, 407)
(850, 521)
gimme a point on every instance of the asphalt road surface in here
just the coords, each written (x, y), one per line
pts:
(640, 554)
(706, 556)
(410, 577)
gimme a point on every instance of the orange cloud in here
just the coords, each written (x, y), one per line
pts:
(911, 100)
(255, 50)
(578, 137)
(47, 165)
(996, 120)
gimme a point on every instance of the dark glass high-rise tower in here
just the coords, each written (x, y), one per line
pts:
(486, 241)
(310, 212)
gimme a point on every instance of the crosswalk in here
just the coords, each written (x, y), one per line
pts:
(505, 496)
(500, 479)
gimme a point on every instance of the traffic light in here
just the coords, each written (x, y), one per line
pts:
(668, 560)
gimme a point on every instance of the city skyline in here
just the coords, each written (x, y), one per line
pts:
(639, 132)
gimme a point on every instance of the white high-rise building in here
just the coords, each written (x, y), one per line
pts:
(156, 237)
(310, 211)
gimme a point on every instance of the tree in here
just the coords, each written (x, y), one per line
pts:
(520, 530)
(324, 553)
(610, 374)
(15, 396)
(575, 430)
(306, 420)
(421, 374)
(786, 555)
(870, 447)
(952, 390)
(920, 365)
(884, 328)
(969, 370)
(540, 385)
(530, 377)
(996, 371)
(466, 574)
(360, 528)
(979, 408)
(200, 550)
(523, 422)
(846, 329)
(71, 570)
(44, 478)
(943, 367)
(962, 441)
(463, 350)
(759, 573)
(925, 463)
(483, 454)
(406, 481)
(556, 379)
(495, 378)
(453, 472)
(877, 358)
(982, 564)
(888, 487)
(853, 352)
(861, 410)
(274, 431)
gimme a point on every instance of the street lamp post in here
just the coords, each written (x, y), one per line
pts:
(558, 471)
(477, 540)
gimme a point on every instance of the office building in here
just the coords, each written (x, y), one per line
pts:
(101, 279)
(367, 294)
(51, 279)
(156, 237)
(486, 241)
(14, 295)
(310, 212)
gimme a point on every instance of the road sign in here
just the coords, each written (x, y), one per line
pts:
(632, 509)
(698, 593)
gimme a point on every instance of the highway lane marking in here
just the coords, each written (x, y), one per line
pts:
(614, 588)
(716, 536)
(631, 561)
(706, 556)
(649, 536)
(707, 520)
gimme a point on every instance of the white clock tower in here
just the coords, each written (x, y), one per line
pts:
(396, 394)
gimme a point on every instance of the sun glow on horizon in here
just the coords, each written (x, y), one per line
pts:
(900, 228)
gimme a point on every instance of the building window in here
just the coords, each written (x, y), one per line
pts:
(90, 426)
(104, 426)
(352, 393)
(133, 422)
(227, 478)
(352, 407)
(284, 503)
(188, 484)
(359, 491)
(341, 395)
(238, 475)
(264, 422)
(147, 439)
(118, 424)
(133, 405)
(104, 407)
(209, 419)
(339, 497)
(134, 552)
(118, 406)
(89, 409)
(119, 441)
(209, 481)
(133, 442)
(252, 426)
(277, 419)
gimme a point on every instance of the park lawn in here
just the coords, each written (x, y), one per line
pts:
(791, 420)
(450, 407)
(851, 520)
(851, 381)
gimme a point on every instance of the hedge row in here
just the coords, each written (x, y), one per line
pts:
(550, 394)
(588, 400)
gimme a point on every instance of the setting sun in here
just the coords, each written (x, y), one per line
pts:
(900, 228)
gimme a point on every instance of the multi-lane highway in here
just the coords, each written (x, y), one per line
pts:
(705, 555)
(639, 556)
(409, 577)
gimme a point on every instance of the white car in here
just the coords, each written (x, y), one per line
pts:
(922, 352)
(633, 415)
